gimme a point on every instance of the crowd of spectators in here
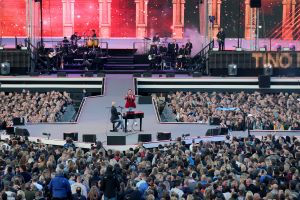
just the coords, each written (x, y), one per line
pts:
(32, 107)
(236, 169)
(257, 110)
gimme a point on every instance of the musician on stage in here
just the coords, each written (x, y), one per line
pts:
(115, 117)
(181, 57)
(153, 52)
(130, 103)
(130, 100)
(188, 47)
(94, 35)
(74, 38)
(156, 38)
(221, 39)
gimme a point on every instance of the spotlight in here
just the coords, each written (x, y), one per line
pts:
(278, 47)
(292, 47)
(268, 69)
(232, 70)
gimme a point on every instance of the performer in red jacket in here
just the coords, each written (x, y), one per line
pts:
(130, 100)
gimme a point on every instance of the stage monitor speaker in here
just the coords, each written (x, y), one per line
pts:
(144, 138)
(116, 140)
(61, 74)
(212, 132)
(88, 74)
(137, 75)
(264, 81)
(214, 121)
(255, 3)
(34, 74)
(21, 132)
(73, 136)
(147, 74)
(101, 74)
(197, 74)
(10, 130)
(90, 138)
(163, 136)
(145, 100)
(18, 121)
(170, 75)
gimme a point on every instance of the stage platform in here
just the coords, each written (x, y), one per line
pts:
(94, 115)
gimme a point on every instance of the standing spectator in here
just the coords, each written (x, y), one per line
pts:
(78, 195)
(59, 186)
(110, 185)
(26, 176)
(78, 184)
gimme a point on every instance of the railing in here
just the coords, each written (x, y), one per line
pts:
(202, 56)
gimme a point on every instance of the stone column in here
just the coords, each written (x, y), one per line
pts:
(141, 7)
(288, 19)
(249, 33)
(68, 17)
(178, 18)
(104, 18)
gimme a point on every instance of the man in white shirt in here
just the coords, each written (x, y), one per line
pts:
(79, 184)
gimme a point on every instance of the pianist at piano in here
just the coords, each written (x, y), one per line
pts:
(114, 118)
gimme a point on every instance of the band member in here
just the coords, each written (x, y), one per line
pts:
(153, 50)
(130, 100)
(180, 57)
(221, 39)
(65, 40)
(94, 35)
(114, 118)
(74, 38)
(173, 48)
(188, 47)
(156, 38)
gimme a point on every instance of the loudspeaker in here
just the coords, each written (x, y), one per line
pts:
(18, 121)
(88, 74)
(169, 75)
(232, 70)
(34, 74)
(145, 100)
(100, 74)
(197, 74)
(10, 130)
(214, 121)
(144, 137)
(264, 81)
(255, 3)
(73, 136)
(116, 140)
(21, 132)
(147, 74)
(90, 138)
(61, 74)
(163, 136)
(137, 75)
(212, 132)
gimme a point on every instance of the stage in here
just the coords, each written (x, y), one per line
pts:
(94, 115)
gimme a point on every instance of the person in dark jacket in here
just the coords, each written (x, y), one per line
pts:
(23, 172)
(110, 184)
(59, 186)
(115, 117)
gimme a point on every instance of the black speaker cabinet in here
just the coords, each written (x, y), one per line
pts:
(18, 121)
(197, 74)
(10, 130)
(170, 75)
(116, 140)
(264, 81)
(90, 138)
(145, 100)
(73, 136)
(21, 132)
(213, 132)
(34, 74)
(147, 74)
(88, 74)
(137, 75)
(61, 74)
(163, 136)
(145, 138)
(255, 3)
